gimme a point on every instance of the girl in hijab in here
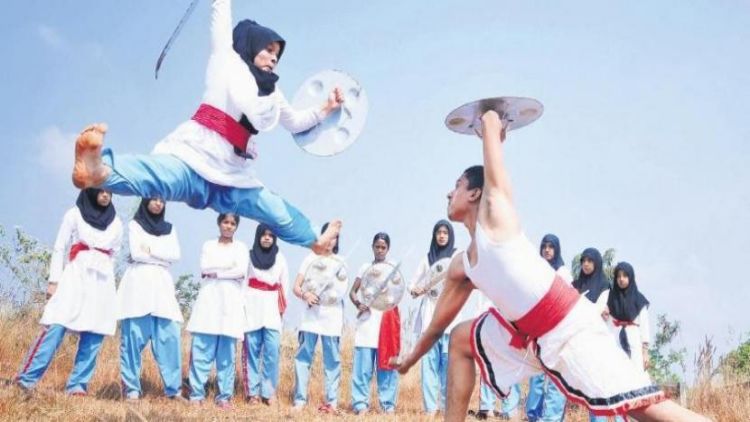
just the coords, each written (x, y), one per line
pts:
(545, 402)
(209, 160)
(628, 313)
(435, 362)
(591, 281)
(265, 303)
(326, 322)
(218, 316)
(148, 306)
(376, 340)
(81, 290)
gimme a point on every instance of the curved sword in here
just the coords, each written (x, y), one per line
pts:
(171, 39)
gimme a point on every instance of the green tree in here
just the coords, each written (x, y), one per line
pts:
(186, 289)
(736, 364)
(24, 264)
(662, 364)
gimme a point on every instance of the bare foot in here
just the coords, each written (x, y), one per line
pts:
(332, 231)
(89, 171)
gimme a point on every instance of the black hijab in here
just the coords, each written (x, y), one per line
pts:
(625, 304)
(263, 258)
(153, 224)
(595, 283)
(249, 38)
(437, 252)
(557, 261)
(335, 248)
(95, 215)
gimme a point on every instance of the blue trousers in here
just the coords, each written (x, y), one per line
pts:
(331, 366)
(544, 402)
(265, 342)
(593, 418)
(435, 375)
(164, 335)
(171, 179)
(205, 349)
(43, 349)
(365, 363)
(508, 406)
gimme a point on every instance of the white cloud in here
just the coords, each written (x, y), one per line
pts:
(51, 36)
(56, 151)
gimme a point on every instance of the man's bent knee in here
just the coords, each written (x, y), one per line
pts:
(460, 340)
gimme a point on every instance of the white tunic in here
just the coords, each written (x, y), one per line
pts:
(565, 274)
(262, 307)
(85, 299)
(321, 320)
(219, 308)
(427, 303)
(231, 88)
(367, 333)
(637, 335)
(147, 286)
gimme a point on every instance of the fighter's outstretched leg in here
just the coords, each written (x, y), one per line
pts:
(666, 411)
(461, 373)
(89, 171)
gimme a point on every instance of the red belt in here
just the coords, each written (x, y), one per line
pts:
(254, 283)
(226, 126)
(620, 323)
(80, 246)
(546, 314)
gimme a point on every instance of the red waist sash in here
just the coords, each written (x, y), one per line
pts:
(220, 122)
(546, 314)
(257, 284)
(620, 323)
(80, 246)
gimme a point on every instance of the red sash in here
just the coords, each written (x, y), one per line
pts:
(546, 314)
(226, 126)
(254, 283)
(389, 340)
(619, 323)
(80, 246)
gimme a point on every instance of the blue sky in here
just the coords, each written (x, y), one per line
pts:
(642, 147)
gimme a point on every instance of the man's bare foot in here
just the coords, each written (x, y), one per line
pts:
(89, 171)
(332, 231)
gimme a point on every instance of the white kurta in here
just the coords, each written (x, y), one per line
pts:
(219, 308)
(427, 303)
(85, 299)
(565, 274)
(637, 335)
(262, 307)
(367, 333)
(147, 286)
(321, 320)
(231, 87)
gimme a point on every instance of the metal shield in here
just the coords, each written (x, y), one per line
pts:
(382, 286)
(327, 278)
(515, 112)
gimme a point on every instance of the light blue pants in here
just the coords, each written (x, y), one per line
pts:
(435, 375)
(171, 179)
(204, 350)
(164, 335)
(593, 418)
(331, 366)
(365, 363)
(544, 402)
(508, 406)
(265, 342)
(43, 350)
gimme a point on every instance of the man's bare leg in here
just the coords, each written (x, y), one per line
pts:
(321, 244)
(667, 411)
(89, 170)
(461, 373)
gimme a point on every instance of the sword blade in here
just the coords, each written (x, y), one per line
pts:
(175, 33)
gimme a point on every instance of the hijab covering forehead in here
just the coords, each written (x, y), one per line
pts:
(93, 214)
(557, 260)
(437, 252)
(335, 248)
(595, 283)
(263, 258)
(153, 224)
(625, 304)
(248, 39)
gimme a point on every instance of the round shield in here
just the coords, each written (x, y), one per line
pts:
(438, 271)
(515, 112)
(382, 286)
(326, 278)
(342, 127)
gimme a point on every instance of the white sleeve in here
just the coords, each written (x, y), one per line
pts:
(419, 275)
(305, 263)
(63, 238)
(208, 261)
(221, 26)
(169, 249)
(283, 273)
(601, 303)
(565, 274)
(643, 325)
(240, 263)
(362, 270)
(137, 239)
(296, 121)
